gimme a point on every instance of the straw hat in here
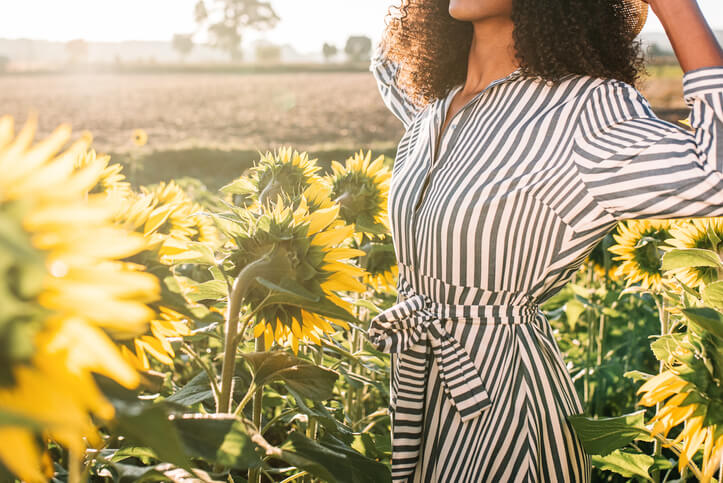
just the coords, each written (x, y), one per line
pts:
(636, 13)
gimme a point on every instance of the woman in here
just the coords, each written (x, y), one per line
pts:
(545, 145)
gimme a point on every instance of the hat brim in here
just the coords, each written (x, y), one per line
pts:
(636, 14)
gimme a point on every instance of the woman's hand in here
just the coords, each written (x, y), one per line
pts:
(692, 39)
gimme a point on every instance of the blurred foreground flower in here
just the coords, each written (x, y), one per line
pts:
(64, 291)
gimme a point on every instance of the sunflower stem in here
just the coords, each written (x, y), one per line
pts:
(353, 399)
(663, 315)
(245, 400)
(241, 285)
(599, 360)
(240, 288)
(280, 415)
(676, 448)
(256, 407)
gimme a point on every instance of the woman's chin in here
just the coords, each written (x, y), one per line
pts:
(461, 10)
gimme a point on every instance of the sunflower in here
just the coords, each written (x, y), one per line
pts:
(140, 137)
(304, 263)
(681, 409)
(639, 250)
(163, 215)
(142, 214)
(283, 171)
(380, 263)
(111, 181)
(175, 219)
(318, 195)
(66, 290)
(184, 218)
(705, 233)
(361, 186)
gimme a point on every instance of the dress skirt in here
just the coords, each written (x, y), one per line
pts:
(515, 432)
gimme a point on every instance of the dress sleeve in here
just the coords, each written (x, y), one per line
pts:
(396, 100)
(636, 165)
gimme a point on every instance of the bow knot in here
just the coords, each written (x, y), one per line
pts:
(412, 327)
(410, 324)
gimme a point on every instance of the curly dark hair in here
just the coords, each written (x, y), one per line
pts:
(552, 38)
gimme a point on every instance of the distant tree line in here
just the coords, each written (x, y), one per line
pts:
(225, 21)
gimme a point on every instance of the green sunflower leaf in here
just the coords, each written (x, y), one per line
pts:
(197, 390)
(712, 294)
(239, 186)
(664, 346)
(332, 461)
(219, 439)
(197, 252)
(690, 257)
(211, 290)
(707, 318)
(637, 375)
(295, 291)
(625, 463)
(602, 436)
(309, 380)
(367, 224)
(290, 292)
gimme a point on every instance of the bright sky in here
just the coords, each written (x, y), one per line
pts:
(306, 24)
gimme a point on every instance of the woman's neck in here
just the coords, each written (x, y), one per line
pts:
(491, 54)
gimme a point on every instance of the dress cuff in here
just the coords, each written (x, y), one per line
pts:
(700, 81)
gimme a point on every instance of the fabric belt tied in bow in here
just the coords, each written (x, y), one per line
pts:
(411, 326)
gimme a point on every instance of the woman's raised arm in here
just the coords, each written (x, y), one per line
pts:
(396, 100)
(636, 165)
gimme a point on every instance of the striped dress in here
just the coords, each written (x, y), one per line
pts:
(529, 177)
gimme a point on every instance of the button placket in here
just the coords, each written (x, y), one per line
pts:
(435, 163)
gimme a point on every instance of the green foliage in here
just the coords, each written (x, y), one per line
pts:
(604, 333)
(625, 463)
(333, 461)
(602, 436)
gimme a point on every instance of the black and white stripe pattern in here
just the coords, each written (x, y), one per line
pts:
(529, 177)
